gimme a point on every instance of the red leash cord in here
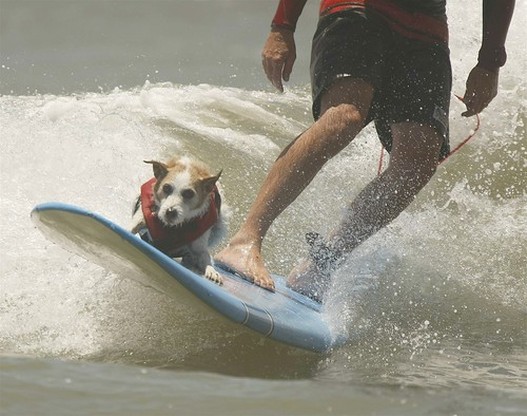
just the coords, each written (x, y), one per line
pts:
(470, 136)
(457, 148)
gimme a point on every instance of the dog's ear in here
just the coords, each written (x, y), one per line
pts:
(160, 169)
(208, 183)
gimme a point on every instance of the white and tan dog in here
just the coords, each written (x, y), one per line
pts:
(179, 212)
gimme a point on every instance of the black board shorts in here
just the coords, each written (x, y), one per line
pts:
(412, 79)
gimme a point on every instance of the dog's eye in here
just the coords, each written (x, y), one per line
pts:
(187, 193)
(168, 189)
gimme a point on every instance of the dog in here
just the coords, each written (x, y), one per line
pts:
(179, 211)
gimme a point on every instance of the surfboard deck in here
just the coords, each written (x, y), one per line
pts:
(284, 316)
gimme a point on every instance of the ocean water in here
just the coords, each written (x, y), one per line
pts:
(435, 304)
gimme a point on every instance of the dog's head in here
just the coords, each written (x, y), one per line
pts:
(182, 189)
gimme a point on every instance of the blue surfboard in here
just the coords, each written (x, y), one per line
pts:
(284, 316)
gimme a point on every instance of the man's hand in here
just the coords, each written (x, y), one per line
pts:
(482, 87)
(278, 56)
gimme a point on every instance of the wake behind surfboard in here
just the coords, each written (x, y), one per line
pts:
(284, 316)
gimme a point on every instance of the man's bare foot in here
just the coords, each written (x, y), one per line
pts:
(307, 280)
(245, 259)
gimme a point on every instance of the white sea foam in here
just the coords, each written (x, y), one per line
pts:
(436, 301)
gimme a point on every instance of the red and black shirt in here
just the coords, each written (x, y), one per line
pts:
(417, 19)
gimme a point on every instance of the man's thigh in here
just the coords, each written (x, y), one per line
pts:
(348, 44)
(356, 94)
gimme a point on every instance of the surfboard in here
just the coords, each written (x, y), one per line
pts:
(284, 315)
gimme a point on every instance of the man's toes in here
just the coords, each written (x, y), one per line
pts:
(265, 283)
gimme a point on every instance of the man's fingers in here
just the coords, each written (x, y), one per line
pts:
(267, 70)
(468, 100)
(475, 105)
(277, 75)
(273, 71)
(288, 68)
(481, 88)
(278, 55)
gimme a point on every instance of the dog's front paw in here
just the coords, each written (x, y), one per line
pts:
(213, 275)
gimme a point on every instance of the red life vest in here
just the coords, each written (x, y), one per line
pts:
(171, 239)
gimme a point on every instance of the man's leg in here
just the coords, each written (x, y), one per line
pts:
(413, 161)
(344, 109)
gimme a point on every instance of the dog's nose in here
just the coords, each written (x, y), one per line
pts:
(171, 213)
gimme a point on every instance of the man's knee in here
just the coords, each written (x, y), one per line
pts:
(416, 145)
(415, 153)
(341, 124)
(344, 108)
(344, 117)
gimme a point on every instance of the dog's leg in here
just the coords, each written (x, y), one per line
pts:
(138, 221)
(200, 260)
(218, 231)
(213, 275)
(201, 263)
(210, 272)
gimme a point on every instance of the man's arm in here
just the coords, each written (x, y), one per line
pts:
(287, 14)
(497, 15)
(279, 52)
(482, 83)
